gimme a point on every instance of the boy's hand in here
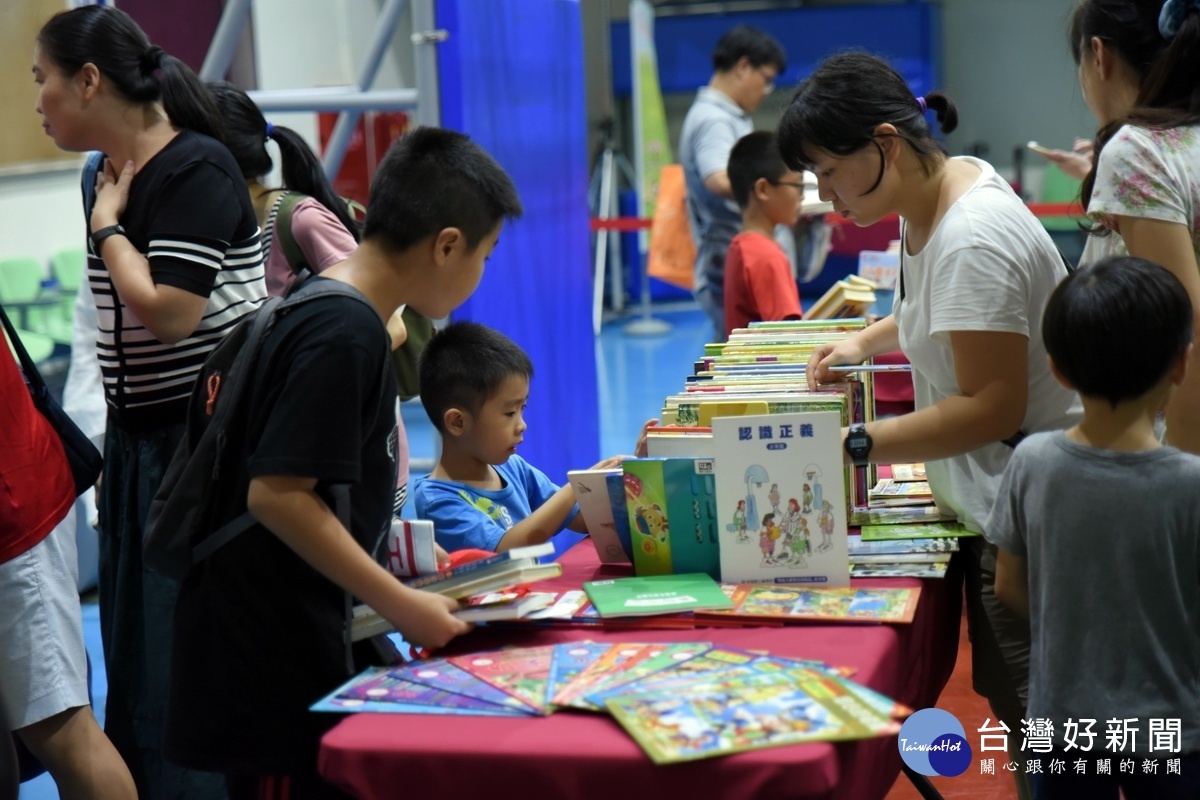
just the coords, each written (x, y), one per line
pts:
(640, 449)
(426, 621)
(609, 463)
(443, 558)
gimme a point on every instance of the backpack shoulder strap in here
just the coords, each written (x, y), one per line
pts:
(283, 231)
(87, 182)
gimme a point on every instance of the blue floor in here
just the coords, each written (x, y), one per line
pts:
(634, 375)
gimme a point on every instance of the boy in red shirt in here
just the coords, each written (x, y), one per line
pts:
(758, 277)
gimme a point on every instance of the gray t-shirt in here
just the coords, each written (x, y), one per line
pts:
(712, 126)
(1112, 541)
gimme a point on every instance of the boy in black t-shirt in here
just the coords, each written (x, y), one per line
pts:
(260, 624)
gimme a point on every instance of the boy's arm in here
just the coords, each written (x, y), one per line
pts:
(290, 508)
(542, 523)
(1012, 582)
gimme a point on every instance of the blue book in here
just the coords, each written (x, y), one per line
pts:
(616, 496)
(448, 578)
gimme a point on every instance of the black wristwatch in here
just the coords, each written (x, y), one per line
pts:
(99, 236)
(858, 444)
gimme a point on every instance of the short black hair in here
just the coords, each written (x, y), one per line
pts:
(1115, 329)
(759, 47)
(432, 179)
(463, 365)
(754, 156)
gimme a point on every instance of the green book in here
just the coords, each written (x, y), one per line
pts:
(928, 530)
(655, 594)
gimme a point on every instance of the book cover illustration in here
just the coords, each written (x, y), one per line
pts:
(928, 530)
(900, 558)
(567, 661)
(898, 570)
(781, 498)
(441, 674)
(909, 472)
(674, 497)
(522, 673)
(380, 692)
(655, 594)
(616, 657)
(653, 659)
(746, 714)
(871, 547)
(902, 515)
(615, 483)
(827, 604)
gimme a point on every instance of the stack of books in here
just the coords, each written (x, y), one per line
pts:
(849, 297)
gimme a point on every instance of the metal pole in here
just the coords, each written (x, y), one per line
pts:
(225, 40)
(339, 140)
(425, 40)
(327, 100)
(604, 207)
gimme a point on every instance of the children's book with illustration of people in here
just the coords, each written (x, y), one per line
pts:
(625, 663)
(746, 714)
(781, 499)
(441, 674)
(567, 661)
(825, 604)
(520, 672)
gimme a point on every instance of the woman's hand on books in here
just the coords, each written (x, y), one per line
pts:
(642, 446)
(425, 619)
(835, 354)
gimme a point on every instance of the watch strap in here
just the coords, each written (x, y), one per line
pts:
(99, 236)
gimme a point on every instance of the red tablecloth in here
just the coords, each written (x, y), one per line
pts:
(571, 755)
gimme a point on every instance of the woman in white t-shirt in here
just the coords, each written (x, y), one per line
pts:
(1139, 66)
(976, 271)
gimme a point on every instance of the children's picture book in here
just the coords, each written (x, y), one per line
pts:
(522, 673)
(567, 605)
(441, 674)
(900, 558)
(873, 547)
(615, 482)
(746, 714)
(655, 594)
(591, 492)
(928, 530)
(781, 499)
(669, 441)
(623, 664)
(898, 570)
(825, 604)
(384, 697)
(567, 661)
(447, 580)
(672, 509)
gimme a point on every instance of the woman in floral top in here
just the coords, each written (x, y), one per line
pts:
(1139, 67)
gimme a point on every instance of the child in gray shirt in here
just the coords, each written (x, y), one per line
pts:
(1099, 534)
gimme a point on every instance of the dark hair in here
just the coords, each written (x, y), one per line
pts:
(463, 365)
(246, 134)
(754, 156)
(758, 47)
(1115, 329)
(432, 179)
(838, 107)
(1168, 70)
(141, 72)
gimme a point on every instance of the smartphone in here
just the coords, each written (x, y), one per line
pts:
(1037, 148)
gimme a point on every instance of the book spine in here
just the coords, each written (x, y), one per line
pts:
(469, 568)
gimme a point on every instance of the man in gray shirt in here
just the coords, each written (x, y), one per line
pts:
(746, 62)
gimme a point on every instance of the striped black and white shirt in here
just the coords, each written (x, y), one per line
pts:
(189, 214)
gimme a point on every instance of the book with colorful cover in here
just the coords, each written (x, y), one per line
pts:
(441, 674)
(746, 714)
(378, 690)
(672, 511)
(505, 605)
(522, 673)
(447, 581)
(719, 660)
(928, 530)
(615, 482)
(900, 558)
(898, 570)
(591, 492)
(781, 496)
(655, 594)
(826, 604)
(860, 547)
(887, 487)
(625, 663)
(909, 472)
(567, 661)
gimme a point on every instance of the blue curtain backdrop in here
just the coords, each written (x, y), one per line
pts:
(512, 78)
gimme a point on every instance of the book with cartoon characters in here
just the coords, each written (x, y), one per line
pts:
(826, 604)
(672, 509)
(781, 499)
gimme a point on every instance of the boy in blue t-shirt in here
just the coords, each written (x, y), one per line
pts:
(481, 494)
(1099, 534)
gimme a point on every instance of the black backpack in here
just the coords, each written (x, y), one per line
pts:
(201, 504)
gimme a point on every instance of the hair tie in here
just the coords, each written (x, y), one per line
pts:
(151, 59)
(921, 104)
(270, 130)
(1172, 14)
